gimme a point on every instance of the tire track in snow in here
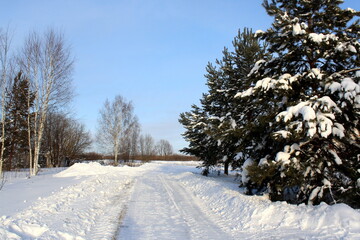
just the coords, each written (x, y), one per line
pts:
(161, 208)
(87, 210)
(108, 223)
(200, 225)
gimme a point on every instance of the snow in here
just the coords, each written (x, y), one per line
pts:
(351, 10)
(349, 85)
(159, 200)
(325, 125)
(259, 32)
(307, 112)
(318, 114)
(347, 90)
(297, 30)
(337, 159)
(325, 103)
(257, 66)
(340, 47)
(244, 172)
(80, 169)
(283, 157)
(233, 123)
(315, 37)
(338, 130)
(319, 37)
(267, 83)
(316, 73)
(352, 48)
(283, 133)
(314, 194)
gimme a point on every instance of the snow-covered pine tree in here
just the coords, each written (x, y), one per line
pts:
(220, 112)
(226, 79)
(309, 93)
(216, 105)
(201, 144)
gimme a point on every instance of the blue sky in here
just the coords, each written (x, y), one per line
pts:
(152, 52)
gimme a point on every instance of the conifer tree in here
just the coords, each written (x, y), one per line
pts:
(220, 112)
(307, 100)
(201, 144)
(230, 77)
(16, 141)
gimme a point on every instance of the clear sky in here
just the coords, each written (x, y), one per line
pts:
(152, 52)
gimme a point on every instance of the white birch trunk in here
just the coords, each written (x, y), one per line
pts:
(49, 66)
(116, 152)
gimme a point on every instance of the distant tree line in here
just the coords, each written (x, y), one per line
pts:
(119, 133)
(283, 106)
(36, 87)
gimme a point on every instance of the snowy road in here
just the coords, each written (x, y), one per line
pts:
(160, 208)
(159, 200)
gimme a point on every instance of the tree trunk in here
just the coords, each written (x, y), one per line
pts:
(226, 167)
(116, 154)
(11, 154)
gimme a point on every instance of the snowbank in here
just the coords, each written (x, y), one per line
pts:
(256, 216)
(89, 208)
(86, 169)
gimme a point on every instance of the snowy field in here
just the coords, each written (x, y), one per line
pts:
(158, 200)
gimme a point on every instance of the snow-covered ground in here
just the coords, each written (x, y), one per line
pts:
(158, 200)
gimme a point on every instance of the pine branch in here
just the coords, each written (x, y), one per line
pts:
(345, 71)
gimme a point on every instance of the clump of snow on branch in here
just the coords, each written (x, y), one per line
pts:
(337, 159)
(297, 30)
(244, 173)
(347, 90)
(315, 73)
(319, 191)
(258, 33)
(284, 156)
(284, 134)
(283, 82)
(341, 47)
(257, 66)
(318, 116)
(319, 37)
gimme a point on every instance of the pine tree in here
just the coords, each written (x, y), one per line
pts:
(307, 99)
(16, 141)
(220, 109)
(201, 144)
(220, 112)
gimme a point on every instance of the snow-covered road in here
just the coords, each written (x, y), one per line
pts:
(159, 200)
(161, 208)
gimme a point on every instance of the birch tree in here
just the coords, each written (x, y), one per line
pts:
(164, 148)
(47, 62)
(115, 123)
(129, 142)
(147, 145)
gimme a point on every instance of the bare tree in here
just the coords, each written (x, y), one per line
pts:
(47, 62)
(129, 143)
(115, 124)
(164, 148)
(64, 138)
(147, 145)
